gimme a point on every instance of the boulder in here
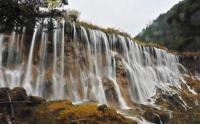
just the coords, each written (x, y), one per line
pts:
(35, 100)
(3, 119)
(4, 94)
(18, 94)
(157, 117)
(102, 108)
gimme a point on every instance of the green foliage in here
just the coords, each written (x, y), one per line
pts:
(178, 29)
(53, 3)
(21, 13)
(106, 30)
(72, 15)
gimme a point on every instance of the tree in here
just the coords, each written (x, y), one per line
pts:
(20, 13)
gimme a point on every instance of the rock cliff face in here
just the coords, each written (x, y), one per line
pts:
(192, 62)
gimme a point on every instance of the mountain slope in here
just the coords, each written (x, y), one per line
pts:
(178, 29)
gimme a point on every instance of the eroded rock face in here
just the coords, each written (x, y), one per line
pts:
(122, 80)
(191, 61)
(110, 91)
(194, 83)
(156, 116)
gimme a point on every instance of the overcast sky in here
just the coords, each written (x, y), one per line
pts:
(127, 15)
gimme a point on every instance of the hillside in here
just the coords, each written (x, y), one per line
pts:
(178, 29)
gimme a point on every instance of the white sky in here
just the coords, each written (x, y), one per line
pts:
(127, 15)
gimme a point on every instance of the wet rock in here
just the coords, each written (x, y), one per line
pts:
(4, 94)
(155, 116)
(108, 84)
(102, 108)
(10, 56)
(18, 94)
(152, 117)
(121, 70)
(110, 90)
(3, 119)
(194, 83)
(36, 100)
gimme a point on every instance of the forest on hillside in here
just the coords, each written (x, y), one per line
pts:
(178, 29)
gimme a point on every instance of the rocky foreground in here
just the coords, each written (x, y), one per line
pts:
(181, 108)
(24, 109)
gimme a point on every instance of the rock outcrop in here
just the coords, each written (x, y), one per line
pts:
(35, 110)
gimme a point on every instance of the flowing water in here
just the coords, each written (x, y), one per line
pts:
(92, 66)
(28, 75)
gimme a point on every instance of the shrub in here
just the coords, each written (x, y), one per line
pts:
(72, 15)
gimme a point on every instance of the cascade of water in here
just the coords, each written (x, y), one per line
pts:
(1, 49)
(11, 48)
(62, 81)
(40, 83)
(55, 58)
(111, 73)
(13, 71)
(147, 72)
(96, 62)
(103, 66)
(93, 74)
(75, 94)
(2, 82)
(85, 83)
(21, 43)
(59, 86)
(28, 75)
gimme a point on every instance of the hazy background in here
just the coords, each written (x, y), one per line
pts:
(127, 15)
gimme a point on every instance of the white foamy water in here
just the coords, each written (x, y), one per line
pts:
(88, 70)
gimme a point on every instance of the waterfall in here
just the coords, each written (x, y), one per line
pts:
(62, 81)
(2, 82)
(1, 49)
(58, 76)
(11, 48)
(55, 58)
(28, 75)
(87, 65)
(42, 64)
(147, 68)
